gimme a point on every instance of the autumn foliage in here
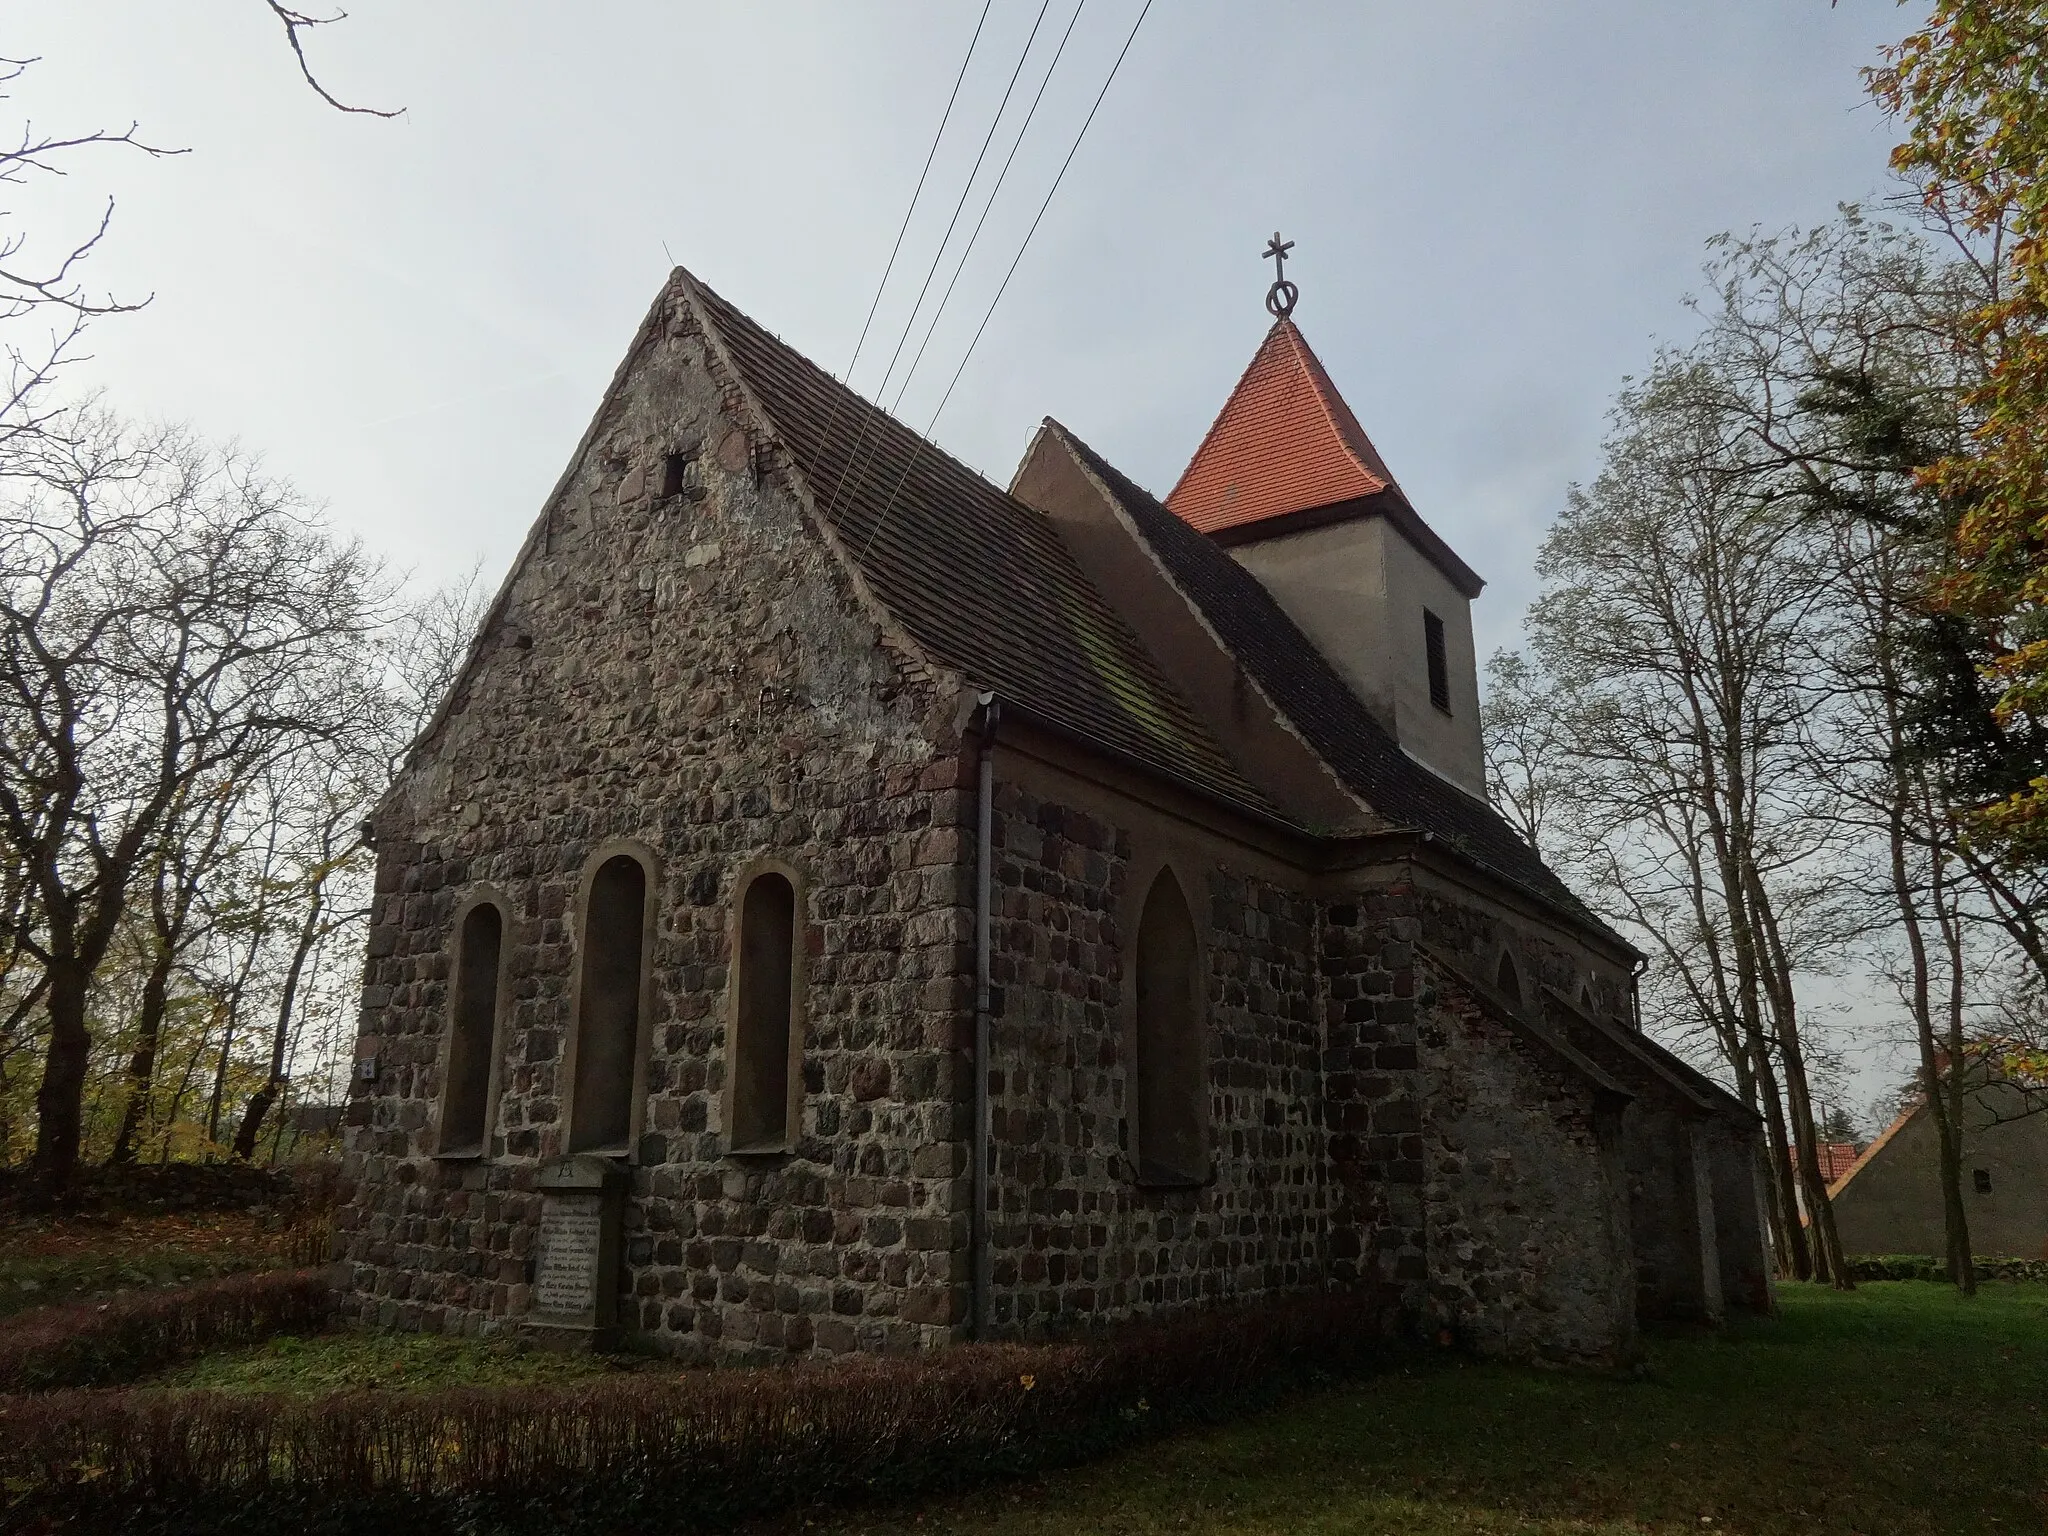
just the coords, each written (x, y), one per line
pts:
(1971, 88)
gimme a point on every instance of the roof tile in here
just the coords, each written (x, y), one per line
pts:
(1284, 442)
(977, 579)
(1331, 718)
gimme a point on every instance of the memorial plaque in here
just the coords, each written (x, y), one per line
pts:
(571, 1243)
(576, 1257)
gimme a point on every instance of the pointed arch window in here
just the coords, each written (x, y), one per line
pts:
(765, 1057)
(1508, 979)
(1170, 1074)
(469, 1074)
(609, 1007)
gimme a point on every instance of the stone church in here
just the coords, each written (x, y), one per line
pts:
(913, 909)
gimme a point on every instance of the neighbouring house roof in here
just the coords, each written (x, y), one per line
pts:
(1330, 717)
(979, 581)
(1836, 1159)
(1838, 1178)
(1284, 444)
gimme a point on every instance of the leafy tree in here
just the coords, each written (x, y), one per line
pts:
(1971, 88)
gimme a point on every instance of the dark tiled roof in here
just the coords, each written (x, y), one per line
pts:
(977, 579)
(1306, 688)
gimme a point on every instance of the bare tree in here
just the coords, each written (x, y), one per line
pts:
(1675, 589)
(166, 615)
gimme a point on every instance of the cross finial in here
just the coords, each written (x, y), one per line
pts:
(1281, 297)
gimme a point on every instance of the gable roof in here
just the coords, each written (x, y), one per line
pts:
(1285, 443)
(1331, 718)
(980, 582)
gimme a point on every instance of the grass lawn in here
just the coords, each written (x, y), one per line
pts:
(1900, 1408)
(48, 1261)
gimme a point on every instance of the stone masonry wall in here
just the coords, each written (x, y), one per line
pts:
(691, 673)
(1373, 1093)
(1472, 932)
(1526, 1196)
(1075, 1241)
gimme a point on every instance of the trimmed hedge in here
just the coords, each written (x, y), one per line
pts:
(692, 1450)
(130, 1334)
(1918, 1266)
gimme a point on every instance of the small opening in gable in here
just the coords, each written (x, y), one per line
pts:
(675, 473)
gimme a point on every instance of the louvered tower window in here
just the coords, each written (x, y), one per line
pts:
(1439, 667)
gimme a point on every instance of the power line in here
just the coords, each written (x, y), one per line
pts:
(1001, 176)
(992, 303)
(930, 155)
(1072, 149)
(832, 419)
(938, 256)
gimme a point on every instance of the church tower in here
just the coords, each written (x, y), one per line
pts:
(1289, 483)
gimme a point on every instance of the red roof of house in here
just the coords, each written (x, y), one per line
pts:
(1837, 1159)
(1285, 443)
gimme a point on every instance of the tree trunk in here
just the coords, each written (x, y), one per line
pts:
(142, 1065)
(1829, 1263)
(60, 1098)
(1949, 1159)
(1962, 1263)
(264, 1097)
(1790, 1236)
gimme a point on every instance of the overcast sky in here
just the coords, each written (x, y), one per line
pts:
(1497, 209)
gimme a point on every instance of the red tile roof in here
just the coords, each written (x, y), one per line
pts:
(1286, 443)
(1837, 1159)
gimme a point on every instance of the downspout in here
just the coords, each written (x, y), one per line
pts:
(980, 1270)
(1635, 990)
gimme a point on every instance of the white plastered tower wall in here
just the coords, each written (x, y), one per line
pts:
(1359, 590)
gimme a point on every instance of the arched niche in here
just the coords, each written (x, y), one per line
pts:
(764, 1031)
(476, 994)
(1169, 1069)
(608, 1051)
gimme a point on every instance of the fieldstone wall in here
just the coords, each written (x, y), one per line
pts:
(1525, 1194)
(1672, 1279)
(1373, 1094)
(1472, 932)
(690, 672)
(1075, 1241)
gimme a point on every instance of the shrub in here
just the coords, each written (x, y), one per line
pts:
(1917, 1266)
(679, 1452)
(127, 1335)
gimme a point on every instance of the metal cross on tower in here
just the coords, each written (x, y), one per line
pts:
(1281, 297)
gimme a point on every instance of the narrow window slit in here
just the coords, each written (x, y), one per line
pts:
(1439, 663)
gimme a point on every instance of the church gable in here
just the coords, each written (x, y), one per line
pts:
(671, 597)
